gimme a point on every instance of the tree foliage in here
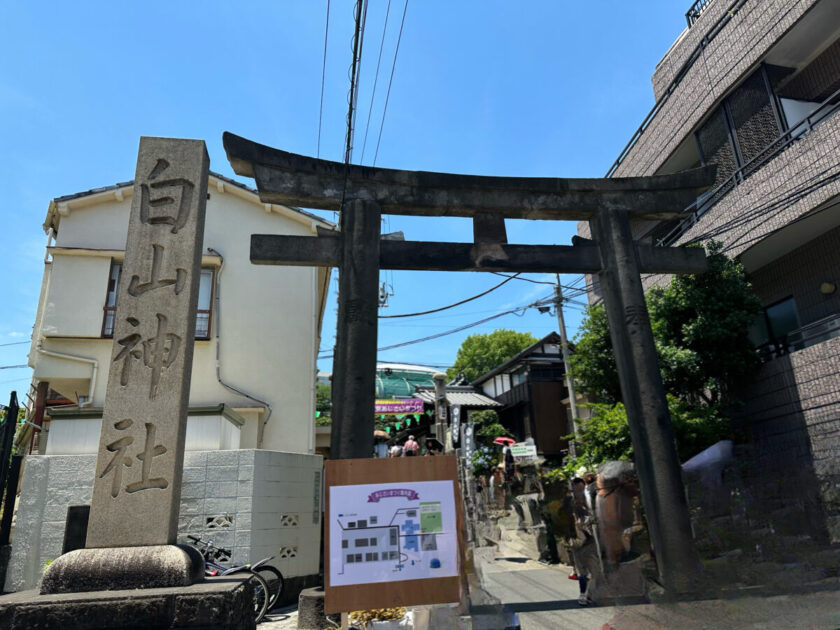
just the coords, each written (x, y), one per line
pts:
(323, 398)
(481, 353)
(700, 326)
(605, 436)
(487, 426)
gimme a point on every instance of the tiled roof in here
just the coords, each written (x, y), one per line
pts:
(466, 397)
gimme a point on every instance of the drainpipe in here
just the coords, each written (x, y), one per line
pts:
(261, 429)
(73, 357)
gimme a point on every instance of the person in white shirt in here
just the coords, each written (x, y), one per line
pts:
(396, 450)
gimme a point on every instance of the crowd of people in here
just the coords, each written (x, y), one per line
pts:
(410, 448)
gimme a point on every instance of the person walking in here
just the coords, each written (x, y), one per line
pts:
(584, 549)
(411, 447)
(507, 457)
(396, 451)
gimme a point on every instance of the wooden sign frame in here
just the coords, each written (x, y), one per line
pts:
(349, 472)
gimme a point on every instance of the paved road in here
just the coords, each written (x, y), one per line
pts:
(545, 599)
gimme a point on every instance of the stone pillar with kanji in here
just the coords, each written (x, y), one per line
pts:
(137, 483)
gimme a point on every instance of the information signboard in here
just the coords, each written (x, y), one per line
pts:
(393, 533)
(521, 450)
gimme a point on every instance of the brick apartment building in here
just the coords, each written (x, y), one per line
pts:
(753, 86)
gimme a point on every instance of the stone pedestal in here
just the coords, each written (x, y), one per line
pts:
(217, 604)
(117, 568)
(311, 609)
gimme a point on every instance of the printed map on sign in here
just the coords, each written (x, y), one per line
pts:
(393, 531)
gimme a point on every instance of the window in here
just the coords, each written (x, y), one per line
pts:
(371, 557)
(202, 316)
(350, 558)
(111, 300)
(361, 542)
(373, 542)
(344, 544)
(775, 323)
(738, 132)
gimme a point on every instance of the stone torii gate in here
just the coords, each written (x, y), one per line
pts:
(362, 194)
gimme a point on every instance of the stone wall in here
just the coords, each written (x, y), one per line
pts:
(255, 502)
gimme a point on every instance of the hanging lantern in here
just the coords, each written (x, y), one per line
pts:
(399, 426)
(317, 414)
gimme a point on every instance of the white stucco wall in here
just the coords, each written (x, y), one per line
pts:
(267, 320)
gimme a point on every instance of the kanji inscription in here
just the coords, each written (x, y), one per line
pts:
(137, 486)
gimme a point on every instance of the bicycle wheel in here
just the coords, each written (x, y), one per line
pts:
(274, 579)
(261, 594)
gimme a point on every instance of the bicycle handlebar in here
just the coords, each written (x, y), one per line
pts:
(210, 545)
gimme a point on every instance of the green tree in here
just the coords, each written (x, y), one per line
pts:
(605, 436)
(487, 426)
(701, 328)
(701, 324)
(480, 353)
(323, 403)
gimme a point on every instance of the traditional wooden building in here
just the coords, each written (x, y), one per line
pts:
(531, 388)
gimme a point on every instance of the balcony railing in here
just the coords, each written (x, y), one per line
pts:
(696, 54)
(801, 338)
(693, 14)
(827, 108)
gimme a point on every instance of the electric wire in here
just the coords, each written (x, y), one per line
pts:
(14, 343)
(390, 81)
(518, 311)
(444, 308)
(13, 367)
(323, 76)
(375, 80)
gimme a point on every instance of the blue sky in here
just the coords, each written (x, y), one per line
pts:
(552, 88)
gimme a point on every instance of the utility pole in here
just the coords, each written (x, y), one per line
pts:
(564, 349)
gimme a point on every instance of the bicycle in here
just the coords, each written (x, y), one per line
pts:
(267, 590)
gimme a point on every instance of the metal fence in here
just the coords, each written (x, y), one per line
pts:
(693, 14)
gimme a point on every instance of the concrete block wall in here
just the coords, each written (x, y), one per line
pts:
(257, 503)
(726, 60)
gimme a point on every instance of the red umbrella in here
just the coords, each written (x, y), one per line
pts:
(504, 441)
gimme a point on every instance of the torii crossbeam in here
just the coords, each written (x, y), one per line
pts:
(362, 194)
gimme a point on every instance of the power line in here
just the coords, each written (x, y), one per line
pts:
(12, 367)
(390, 81)
(504, 275)
(14, 343)
(443, 308)
(323, 75)
(519, 311)
(375, 80)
